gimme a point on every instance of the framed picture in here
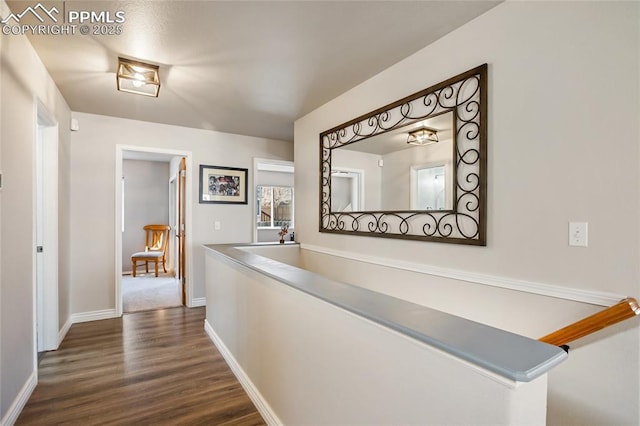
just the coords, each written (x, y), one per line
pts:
(223, 185)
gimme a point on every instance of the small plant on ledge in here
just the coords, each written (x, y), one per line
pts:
(284, 229)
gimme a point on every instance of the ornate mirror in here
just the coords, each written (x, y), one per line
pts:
(414, 169)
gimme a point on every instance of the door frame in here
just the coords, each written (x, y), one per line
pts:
(357, 185)
(181, 206)
(448, 188)
(45, 230)
(176, 218)
(120, 153)
(173, 219)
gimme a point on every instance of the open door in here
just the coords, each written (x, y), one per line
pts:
(46, 241)
(180, 232)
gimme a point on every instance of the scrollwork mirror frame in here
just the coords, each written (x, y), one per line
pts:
(465, 95)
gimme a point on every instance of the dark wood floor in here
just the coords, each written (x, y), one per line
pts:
(146, 368)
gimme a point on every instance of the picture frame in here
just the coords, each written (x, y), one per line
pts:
(223, 185)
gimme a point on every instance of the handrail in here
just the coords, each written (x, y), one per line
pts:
(625, 309)
(510, 356)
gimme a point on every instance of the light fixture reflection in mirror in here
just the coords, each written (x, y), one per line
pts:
(423, 136)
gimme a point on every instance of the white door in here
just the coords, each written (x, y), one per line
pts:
(46, 222)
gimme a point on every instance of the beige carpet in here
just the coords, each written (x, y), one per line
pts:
(146, 292)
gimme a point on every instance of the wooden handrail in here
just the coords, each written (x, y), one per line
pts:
(626, 308)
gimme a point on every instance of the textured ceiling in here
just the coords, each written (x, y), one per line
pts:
(249, 68)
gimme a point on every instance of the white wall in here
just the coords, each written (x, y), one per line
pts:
(93, 171)
(560, 74)
(23, 79)
(146, 201)
(313, 363)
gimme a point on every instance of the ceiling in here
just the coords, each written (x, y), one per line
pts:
(396, 139)
(244, 67)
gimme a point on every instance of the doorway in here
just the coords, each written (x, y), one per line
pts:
(46, 234)
(175, 279)
(347, 193)
(431, 186)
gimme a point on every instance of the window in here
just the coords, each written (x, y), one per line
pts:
(274, 206)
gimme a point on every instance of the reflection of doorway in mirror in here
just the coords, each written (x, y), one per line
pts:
(429, 187)
(346, 191)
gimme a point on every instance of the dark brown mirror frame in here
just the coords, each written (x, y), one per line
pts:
(466, 96)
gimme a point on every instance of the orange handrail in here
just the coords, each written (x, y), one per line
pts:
(625, 309)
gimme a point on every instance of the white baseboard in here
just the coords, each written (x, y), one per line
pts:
(568, 293)
(199, 301)
(64, 330)
(93, 316)
(21, 400)
(261, 404)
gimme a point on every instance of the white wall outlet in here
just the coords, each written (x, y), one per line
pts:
(216, 225)
(578, 234)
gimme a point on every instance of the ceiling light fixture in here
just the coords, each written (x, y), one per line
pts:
(138, 77)
(423, 136)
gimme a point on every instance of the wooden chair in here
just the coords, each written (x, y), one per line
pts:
(155, 249)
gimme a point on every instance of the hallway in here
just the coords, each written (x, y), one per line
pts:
(153, 367)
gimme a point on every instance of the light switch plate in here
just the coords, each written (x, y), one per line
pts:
(216, 225)
(578, 234)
